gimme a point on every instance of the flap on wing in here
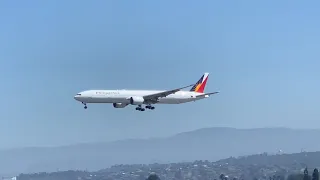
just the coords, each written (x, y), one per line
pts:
(164, 93)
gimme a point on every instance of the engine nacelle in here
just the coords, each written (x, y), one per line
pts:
(119, 105)
(137, 100)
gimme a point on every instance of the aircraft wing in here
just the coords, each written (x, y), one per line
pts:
(154, 97)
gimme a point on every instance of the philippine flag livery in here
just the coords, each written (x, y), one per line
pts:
(201, 84)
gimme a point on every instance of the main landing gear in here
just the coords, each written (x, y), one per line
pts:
(85, 105)
(140, 108)
(150, 107)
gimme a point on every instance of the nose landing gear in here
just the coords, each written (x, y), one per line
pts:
(85, 105)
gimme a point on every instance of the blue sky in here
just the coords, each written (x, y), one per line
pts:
(263, 56)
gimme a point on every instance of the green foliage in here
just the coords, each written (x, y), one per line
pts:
(306, 174)
(222, 177)
(153, 177)
(315, 174)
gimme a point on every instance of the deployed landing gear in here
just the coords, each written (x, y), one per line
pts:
(150, 107)
(139, 108)
(85, 105)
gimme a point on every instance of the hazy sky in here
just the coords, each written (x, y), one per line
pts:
(263, 56)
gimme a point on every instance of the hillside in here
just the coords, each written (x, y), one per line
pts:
(291, 161)
(203, 144)
(260, 166)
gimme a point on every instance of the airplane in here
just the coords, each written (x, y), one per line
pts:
(122, 98)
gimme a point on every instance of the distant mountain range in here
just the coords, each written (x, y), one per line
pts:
(203, 144)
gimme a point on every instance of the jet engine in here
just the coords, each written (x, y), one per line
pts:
(119, 105)
(137, 100)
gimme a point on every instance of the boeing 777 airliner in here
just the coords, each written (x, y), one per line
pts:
(122, 98)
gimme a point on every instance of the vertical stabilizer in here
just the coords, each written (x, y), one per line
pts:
(201, 84)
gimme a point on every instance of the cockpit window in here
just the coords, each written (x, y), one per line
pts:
(79, 94)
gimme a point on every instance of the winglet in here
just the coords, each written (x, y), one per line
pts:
(201, 84)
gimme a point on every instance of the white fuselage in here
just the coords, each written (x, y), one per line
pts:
(123, 96)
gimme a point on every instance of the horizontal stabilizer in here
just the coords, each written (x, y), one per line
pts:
(207, 94)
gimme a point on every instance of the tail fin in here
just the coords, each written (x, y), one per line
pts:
(201, 84)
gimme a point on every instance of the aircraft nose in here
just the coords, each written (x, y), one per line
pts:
(77, 97)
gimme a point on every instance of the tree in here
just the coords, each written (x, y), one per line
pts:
(315, 174)
(222, 176)
(153, 177)
(305, 174)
